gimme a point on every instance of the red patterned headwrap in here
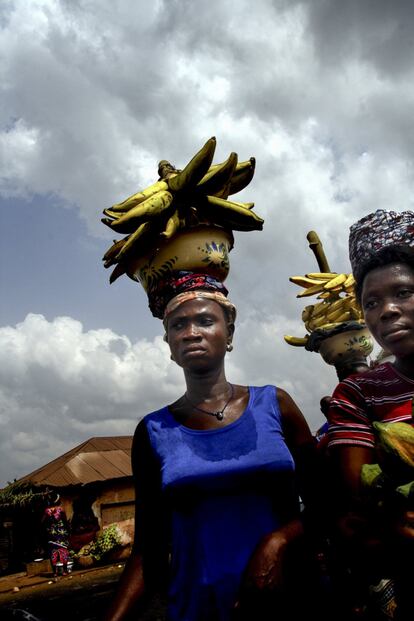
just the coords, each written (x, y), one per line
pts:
(178, 283)
(376, 231)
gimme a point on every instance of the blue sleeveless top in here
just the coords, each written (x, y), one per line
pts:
(226, 488)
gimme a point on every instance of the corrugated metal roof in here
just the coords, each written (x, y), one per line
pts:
(97, 459)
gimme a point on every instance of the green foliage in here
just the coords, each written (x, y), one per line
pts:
(107, 541)
(21, 496)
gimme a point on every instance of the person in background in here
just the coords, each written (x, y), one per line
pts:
(57, 532)
(217, 477)
(84, 525)
(382, 258)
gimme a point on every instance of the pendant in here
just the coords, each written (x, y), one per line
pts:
(219, 415)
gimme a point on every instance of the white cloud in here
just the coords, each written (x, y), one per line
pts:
(58, 382)
(60, 385)
(18, 147)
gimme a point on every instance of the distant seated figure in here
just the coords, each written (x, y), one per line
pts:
(84, 524)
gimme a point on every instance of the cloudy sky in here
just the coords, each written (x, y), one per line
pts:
(94, 94)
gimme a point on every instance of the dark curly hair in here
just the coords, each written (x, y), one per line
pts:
(385, 256)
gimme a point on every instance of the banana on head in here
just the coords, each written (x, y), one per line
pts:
(178, 200)
(338, 303)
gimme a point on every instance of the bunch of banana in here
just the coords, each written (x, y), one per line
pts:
(338, 303)
(180, 199)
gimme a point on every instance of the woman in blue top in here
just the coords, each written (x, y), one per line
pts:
(216, 496)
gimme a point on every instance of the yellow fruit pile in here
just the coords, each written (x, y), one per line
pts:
(181, 199)
(336, 291)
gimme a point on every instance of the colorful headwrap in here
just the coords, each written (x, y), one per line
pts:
(199, 294)
(177, 283)
(376, 231)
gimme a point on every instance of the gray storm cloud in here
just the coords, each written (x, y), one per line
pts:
(95, 94)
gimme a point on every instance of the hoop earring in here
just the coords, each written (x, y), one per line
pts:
(229, 347)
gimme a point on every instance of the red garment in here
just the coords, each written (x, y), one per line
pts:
(59, 555)
(379, 394)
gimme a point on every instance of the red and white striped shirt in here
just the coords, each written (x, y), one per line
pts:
(380, 394)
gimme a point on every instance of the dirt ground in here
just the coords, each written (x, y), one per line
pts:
(82, 596)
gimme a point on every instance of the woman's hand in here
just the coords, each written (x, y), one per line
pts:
(265, 570)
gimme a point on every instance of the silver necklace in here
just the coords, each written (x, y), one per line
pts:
(220, 413)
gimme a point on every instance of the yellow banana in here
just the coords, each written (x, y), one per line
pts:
(132, 240)
(140, 197)
(334, 315)
(153, 206)
(356, 313)
(329, 325)
(335, 292)
(235, 215)
(346, 316)
(335, 282)
(180, 198)
(304, 281)
(113, 250)
(114, 215)
(118, 271)
(296, 341)
(223, 192)
(322, 275)
(242, 176)
(195, 170)
(240, 166)
(313, 290)
(342, 304)
(317, 322)
(214, 181)
(173, 224)
(349, 282)
(225, 204)
(320, 309)
(107, 221)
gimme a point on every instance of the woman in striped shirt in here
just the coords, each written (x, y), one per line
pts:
(382, 258)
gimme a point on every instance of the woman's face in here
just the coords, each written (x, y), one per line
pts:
(198, 334)
(388, 303)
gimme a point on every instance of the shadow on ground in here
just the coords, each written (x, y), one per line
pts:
(79, 597)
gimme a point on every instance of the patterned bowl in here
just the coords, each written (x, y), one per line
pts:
(199, 249)
(346, 346)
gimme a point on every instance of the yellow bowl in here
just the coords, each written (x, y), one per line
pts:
(202, 249)
(346, 346)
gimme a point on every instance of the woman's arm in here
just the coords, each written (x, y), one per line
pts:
(268, 574)
(302, 446)
(347, 462)
(130, 590)
(265, 569)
